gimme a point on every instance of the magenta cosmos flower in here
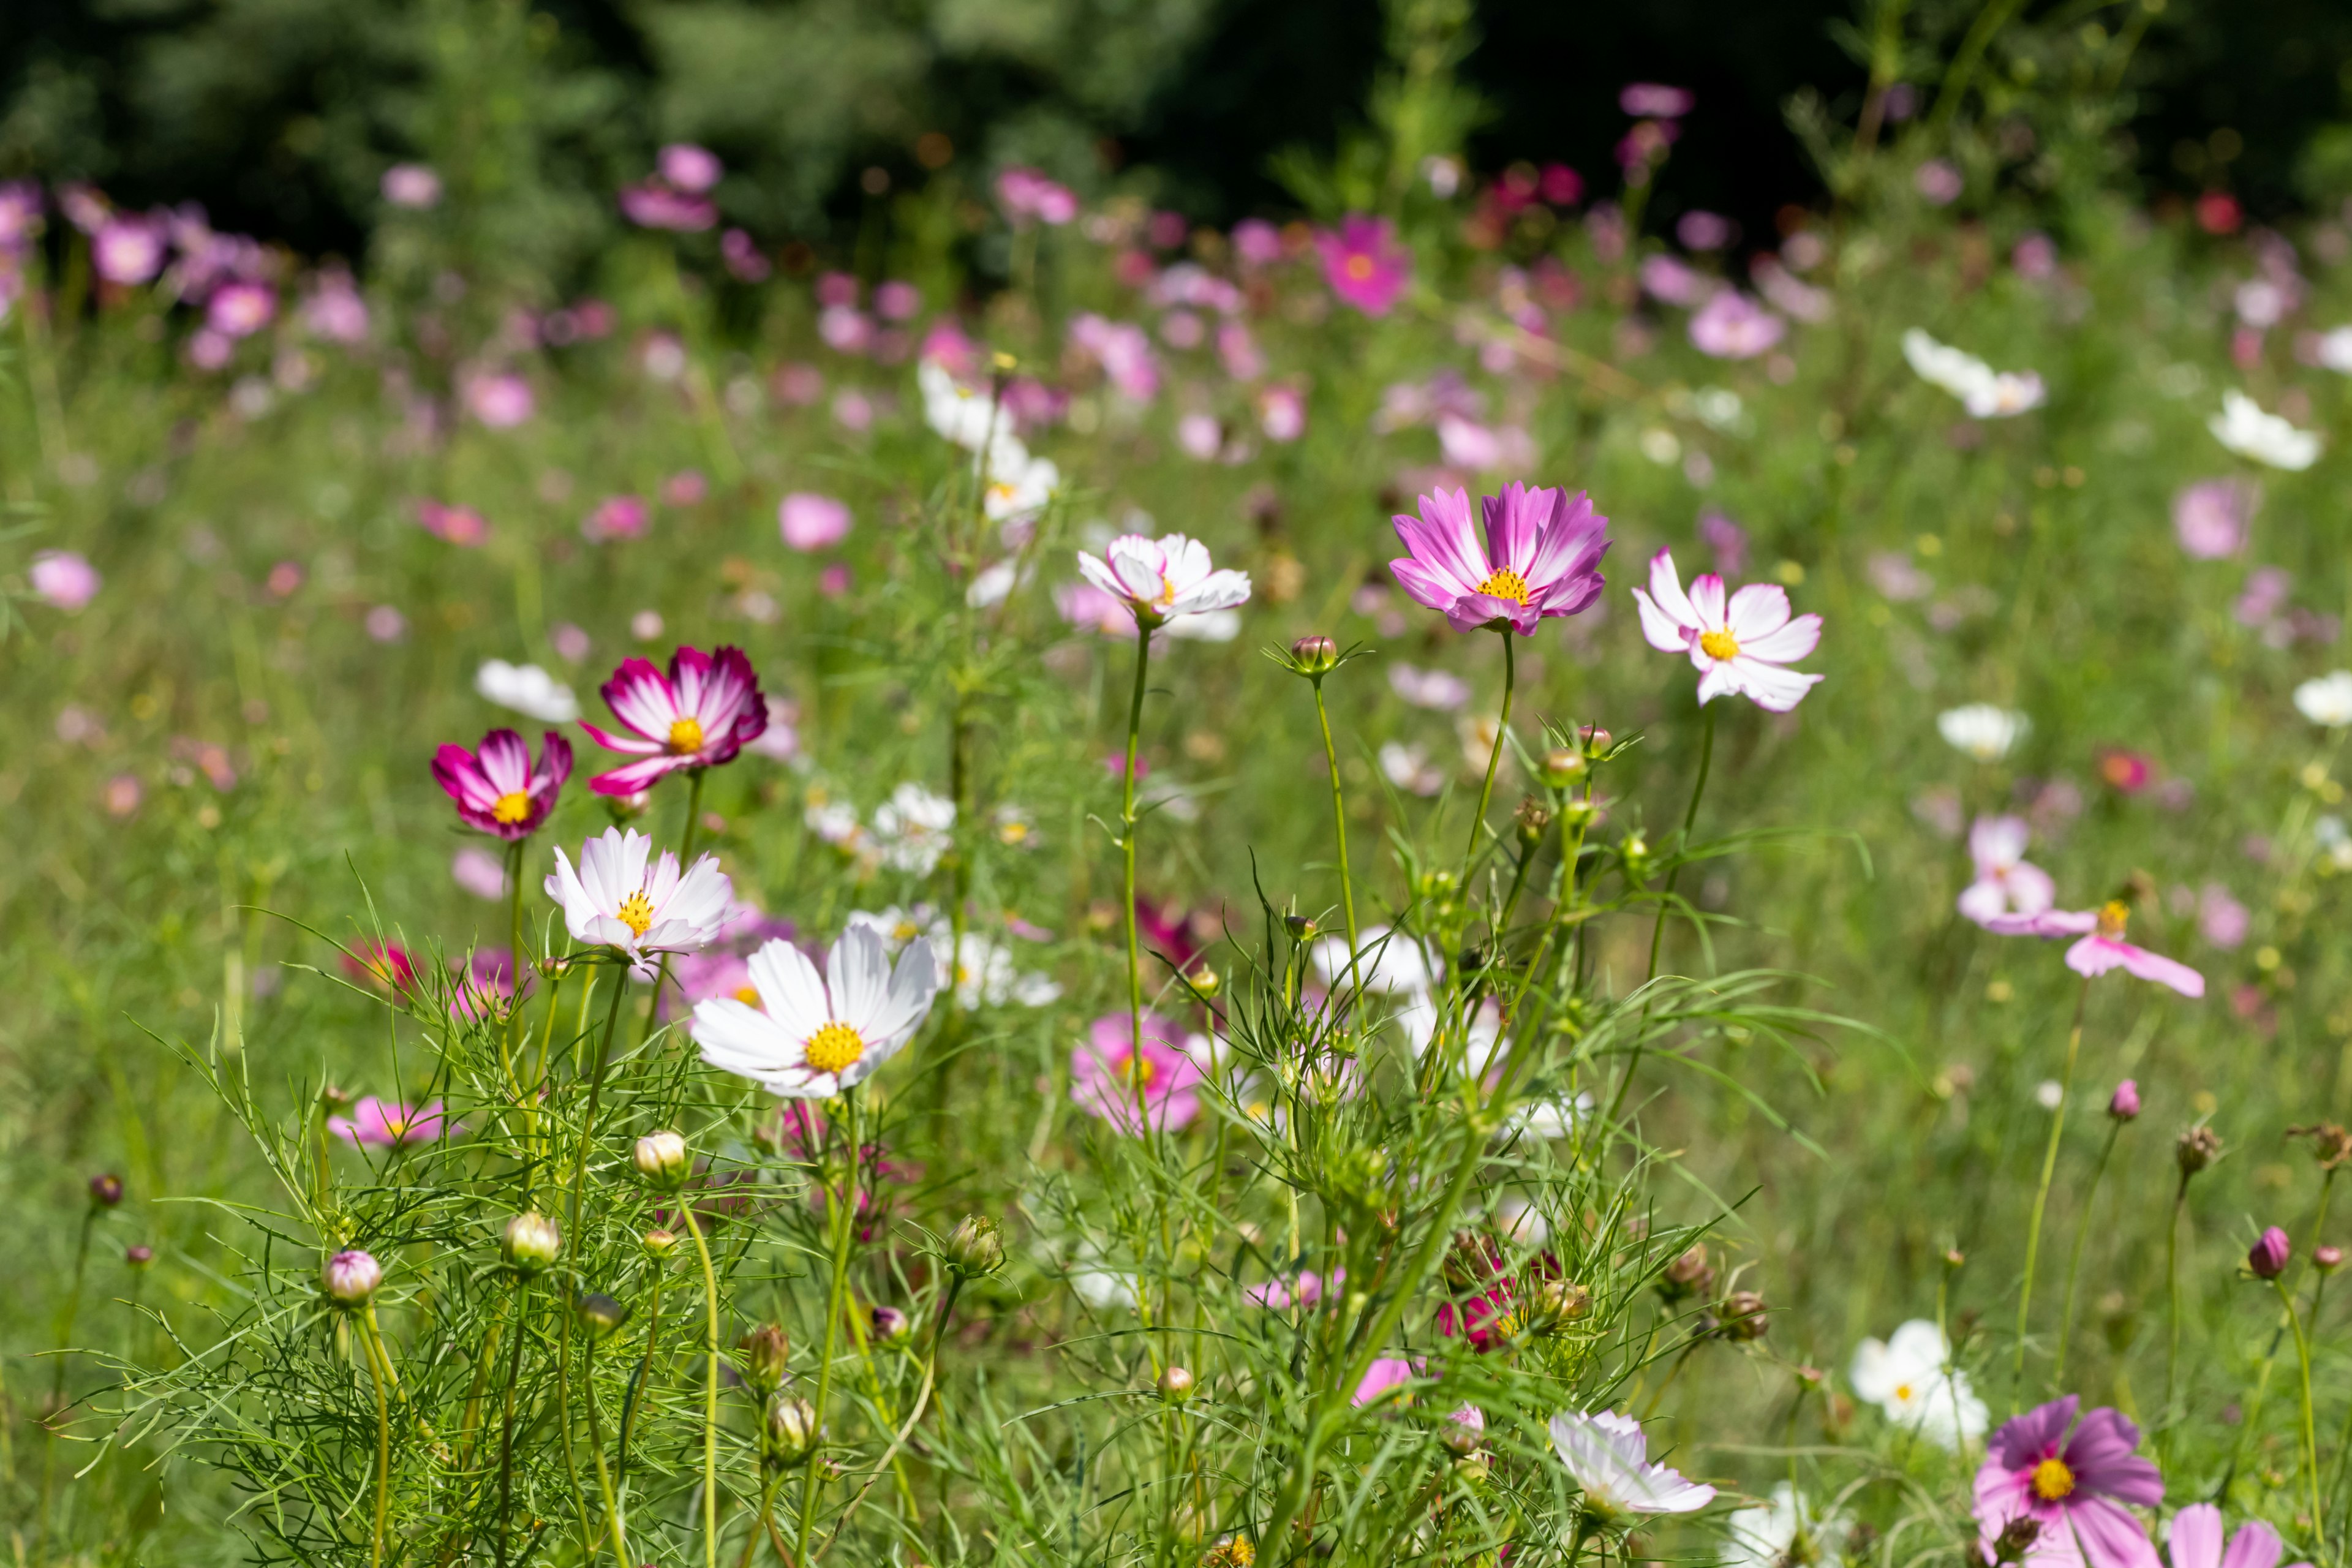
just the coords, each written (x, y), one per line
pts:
(1105, 1071)
(698, 715)
(2073, 1481)
(388, 1122)
(2196, 1540)
(1739, 647)
(498, 789)
(1364, 263)
(2102, 946)
(1541, 557)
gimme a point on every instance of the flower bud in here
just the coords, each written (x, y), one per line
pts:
(1316, 654)
(1533, 818)
(975, 1247)
(1562, 766)
(764, 1356)
(1464, 1430)
(137, 1256)
(1635, 853)
(1743, 1314)
(532, 1242)
(1203, 981)
(1301, 927)
(661, 1160)
(1596, 738)
(628, 807)
(890, 1324)
(2125, 1103)
(2268, 1257)
(350, 1278)
(790, 1430)
(2328, 1260)
(1176, 1384)
(1690, 1275)
(1953, 1257)
(2016, 1539)
(553, 966)
(106, 1189)
(599, 1315)
(335, 1099)
(1563, 1300)
(2198, 1148)
(658, 1243)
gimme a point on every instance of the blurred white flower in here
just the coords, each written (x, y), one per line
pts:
(2247, 430)
(2326, 700)
(2335, 351)
(2048, 1094)
(1986, 392)
(1910, 1377)
(527, 690)
(913, 828)
(1982, 730)
(479, 873)
(1431, 689)
(1782, 1531)
(1407, 767)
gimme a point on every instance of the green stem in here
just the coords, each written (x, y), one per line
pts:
(710, 1389)
(637, 1388)
(844, 1226)
(2075, 1263)
(1493, 758)
(506, 1440)
(1690, 819)
(2172, 1297)
(1127, 847)
(603, 1475)
(511, 1037)
(377, 1356)
(1339, 826)
(2310, 1429)
(2041, 1192)
(56, 1410)
(595, 1093)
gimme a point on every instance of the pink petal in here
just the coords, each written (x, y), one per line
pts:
(634, 776)
(1787, 644)
(2111, 1536)
(1473, 611)
(1425, 587)
(2256, 1545)
(2196, 1538)
(1758, 611)
(612, 742)
(1666, 588)
(1707, 600)
(2162, 971)
(640, 698)
(1981, 902)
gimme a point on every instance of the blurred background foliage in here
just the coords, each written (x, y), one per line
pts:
(280, 115)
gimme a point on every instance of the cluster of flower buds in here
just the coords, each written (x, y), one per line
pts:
(533, 1242)
(975, 1247)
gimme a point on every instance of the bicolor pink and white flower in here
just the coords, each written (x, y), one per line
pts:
(2102, 946)
(1740, 646)
(698, 715)
(809, 1036)
(1164, 579)
(498, 789)
(620, 897)
(2074, 1481)
(1540, 557)
(1609, 1457)
(1107, 1073)
(2006, 882)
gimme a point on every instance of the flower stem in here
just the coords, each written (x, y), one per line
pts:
(2075, 1263)
(710, 1390)
(1493, 758)
(844, 1227)
(595, 1092)
(637, 1388)
(506, 1440)
(1690, 819)
(1127, 847)
(1339, 826)
(2310, 1429)
(604, 1476)
(377, 1359)
(2172, 1296)
(2041, 1192)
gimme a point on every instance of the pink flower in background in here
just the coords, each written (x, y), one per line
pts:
(1106, 1074)
(2074, 1481)
(1383, 1376)
(500, 790)
(1027, 195)
(898, 300)
(479, 873)
(1258, 242)
(1730, 325)
(334, 310)
(1083, 606)
(485, 985)
(616, 517)
(1740, 648)
(839, 290)
(2211, 518)
(1304, 1290)
(654, 205)
(241, 309)
(501, 400)
(1725, 539)
(388, 1123)
(811, 522)
(1124, 352)
(698, 715)
(1540, 558)
(2196, 1541)
(1282, 413)
(64, 579)
(686, 167)
(1701, 230)
(2221, 918)
(1200, 436)
(2102, 946)
(411, 186)
(1364, 262)
(458, 525)
(2035, 256)
(742, 257)
(2006, 882)
(1652, 100)
(845, 328)
(2125, 771)
(1664, 277)
(1939, 182)
(1431, 689)
(684, 487)
(128, 251)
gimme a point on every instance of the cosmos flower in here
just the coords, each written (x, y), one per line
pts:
(1028, 195)
(698, 715)
(1910, 1377)
(1163, 580)
(621, 899)
(458, 525)
(411, 186)
(128, 251)
(2102, 946)
(812, 521)
(64, 579)
(1540, 558)
(527, 690)
(809, 1037)
(388, 1123)
(2195, 1541)
(1364, 262)
(2006, 882)
(1384, 1376)
(687, 167)
(1609, 1457)
(2327, 699)
(2075, 1481)
(1739, 647)
(241, 309)
(1105, 1071)
(2246, 429)
(1435, 690)
(2211, 518)
(914, 828)
(1783, 1533)
(1730, 325)
(499, 790)
(1982, 730)
(1986, 392)
(654, 205)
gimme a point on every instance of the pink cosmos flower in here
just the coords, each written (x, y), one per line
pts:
(2075, 1481)
(1104, 1073)
(2211, 517)
(412, 186)
(2103, 947)
(1730, 325)
(1124, 352)
(334, 310)
(479, 873)
(64, 579)
(499, 790)
(459, 525)
(500, 402)
(616, 517)
(1364, 262)
(1164, 579)
(698, 715)
(1027, 194)
(385, 965)
(654, 205)
(1305, 1290)
(2006, 883)
(1541, 557)
(241, 309)
(2196, 1541)
(128, 251)
(1387, 1373)
(388, 1122)
(812, 521)
(687, 167)
(1742, 648)
(1652, 101)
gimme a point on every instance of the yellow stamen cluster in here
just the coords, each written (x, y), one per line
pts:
(636, 912)
(511, 808)
(834, 1049)
(1138, 1069)
(1505, 583)
(748, 995)
(684, 735)
(2052, 1480)
(1719, 643)
(1360, 267)
(2114, 915)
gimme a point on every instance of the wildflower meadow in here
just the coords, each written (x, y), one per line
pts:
(1453, 877)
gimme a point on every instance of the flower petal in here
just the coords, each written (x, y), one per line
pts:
(1786, 645)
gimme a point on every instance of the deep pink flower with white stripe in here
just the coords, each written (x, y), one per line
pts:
(707, 708)
(2102, 946)
(499, 790)
(1739, 645)
(1541, 557)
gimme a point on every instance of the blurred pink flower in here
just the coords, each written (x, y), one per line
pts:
(411, 186)
(2006, 882)
(334, 310)
(2211, 517)
(1364, 262)
(2195, 1540)
(654, 205)
(1123, 352)
(1701, 230)
(684, 487)
(128, 249)
(479, 873)
(2075, 1481)
(2221, 918)
(459, 525)
(811, 522)
(1282, 412)
(1540, 557)
(2102, 946)
(388, 1122)
(1258, 242)
(845, 328)
(1239, 351)
(1938, 182)
(1725, 539)
(122, 794)
(834, 581)
(1730, 325)
(1106, 1074)
(687, 167)
(616, 517)
(241, 309)
(64, 579)
(1200, 436)
(1304, 1290)
(501, 400)
(1384, 1375)
(1652, 100)
(2124, 770)
(1086, 605)
(1026, 194)
(898, 300)
(1664, 277)
(1740, 648)
(744, 260)
(1431, 689)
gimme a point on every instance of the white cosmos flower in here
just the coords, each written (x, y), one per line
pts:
(1986, 392)
(2008, 393)
(2336, 350)
(985, 973)
(1017, 486)
(1982, 730)
(2247, 430)
(2326, 700)
(1910, 1377)
(811, 1037)
(527, 690)
(616, 899)
(913, 828)
(1783, 1534)
(1164, 579)
(965, 415)
(1609, 1457)
(1407, 767)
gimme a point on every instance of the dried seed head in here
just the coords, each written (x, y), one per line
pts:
(2198, 1148)
(1533, 818)
(1743, 1314)
(1690, 1275)
(2331, 1146)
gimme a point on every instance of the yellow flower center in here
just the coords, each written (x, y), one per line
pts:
(1719, 643)
(1167, 594)
(748, 995)
(684, 735)
(1506, 585)
(835, 1048)
(636, 912)
(2052, 1480)
(1360, 267)
(905, 931)
(511, 808)
(2112, 915)
(1138, 1069)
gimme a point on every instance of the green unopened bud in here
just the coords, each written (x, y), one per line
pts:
(532, 1242)
(1563, 765)
(658, 1243)
(790, 1430)
(1316, 654)
(599, 1315)
(1205, 981)
(554, 966)
(975, 1247)
(1176, 1384)
(1301, 927)
(628, 807)
(661, 1160)
(764, 1357)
